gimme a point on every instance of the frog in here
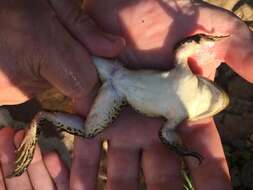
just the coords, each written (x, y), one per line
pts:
(176, 95)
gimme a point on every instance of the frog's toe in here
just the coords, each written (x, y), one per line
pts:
(25, 152)
(173, 142)
(24, 155)
(184, 151)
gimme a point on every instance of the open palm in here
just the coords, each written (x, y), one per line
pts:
(151, 29)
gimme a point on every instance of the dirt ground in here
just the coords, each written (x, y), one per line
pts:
(235, 123)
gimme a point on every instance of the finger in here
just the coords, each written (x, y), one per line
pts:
(69, 67)
(7, 158)
(240, 58)
(122, 167)
(66, 64)
(161, 168)
(213, 172)
(85, 165)
(37, 171)
(82, 27)
(2, 184)
(57, 170)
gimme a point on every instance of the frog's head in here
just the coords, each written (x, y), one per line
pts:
(213, 99)
(220, 98)
(198, 43)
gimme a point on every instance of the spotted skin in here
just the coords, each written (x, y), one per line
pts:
(25, 152)
(105, 110)
(26, 149)
(176, 95)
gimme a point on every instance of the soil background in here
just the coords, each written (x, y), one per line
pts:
(235, 124)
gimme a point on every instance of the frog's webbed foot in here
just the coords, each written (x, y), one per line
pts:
(24, 154)
(65, 121)
(170, 138)
(104, 111)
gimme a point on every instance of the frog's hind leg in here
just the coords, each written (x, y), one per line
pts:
(170, 138)
(68, 122)
(105, 110)
(26, 149)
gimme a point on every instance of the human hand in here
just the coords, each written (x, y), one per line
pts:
(47, 172)
(37, 51)
(151, 29)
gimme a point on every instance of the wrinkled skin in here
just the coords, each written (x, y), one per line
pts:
(151, 29)
(37, 52)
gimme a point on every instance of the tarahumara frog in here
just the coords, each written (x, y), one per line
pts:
(176, 95)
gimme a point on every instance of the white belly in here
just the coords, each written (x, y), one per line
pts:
(150, 92)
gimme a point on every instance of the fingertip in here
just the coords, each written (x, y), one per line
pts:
(86, 31)
(6, 131)
(6, 139)
(55, 165)
(38, 173)
(118, 43)
(18, 137)
(7, 159)
(102, 44)
(51, 156)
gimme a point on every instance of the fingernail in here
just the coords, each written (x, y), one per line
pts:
(118, 40)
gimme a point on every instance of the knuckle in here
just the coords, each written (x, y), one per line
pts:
(76, 18)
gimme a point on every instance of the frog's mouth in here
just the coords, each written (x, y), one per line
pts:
(225, 98)
(221, 97)
(218, 101)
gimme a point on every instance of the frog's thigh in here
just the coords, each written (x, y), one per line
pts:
(105, 110)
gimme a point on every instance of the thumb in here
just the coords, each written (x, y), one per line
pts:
(69, 67)
(85, 30)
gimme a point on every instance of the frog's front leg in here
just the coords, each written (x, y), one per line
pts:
(170, 138)
(65, 121)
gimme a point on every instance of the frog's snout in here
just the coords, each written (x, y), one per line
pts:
(223, 98)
